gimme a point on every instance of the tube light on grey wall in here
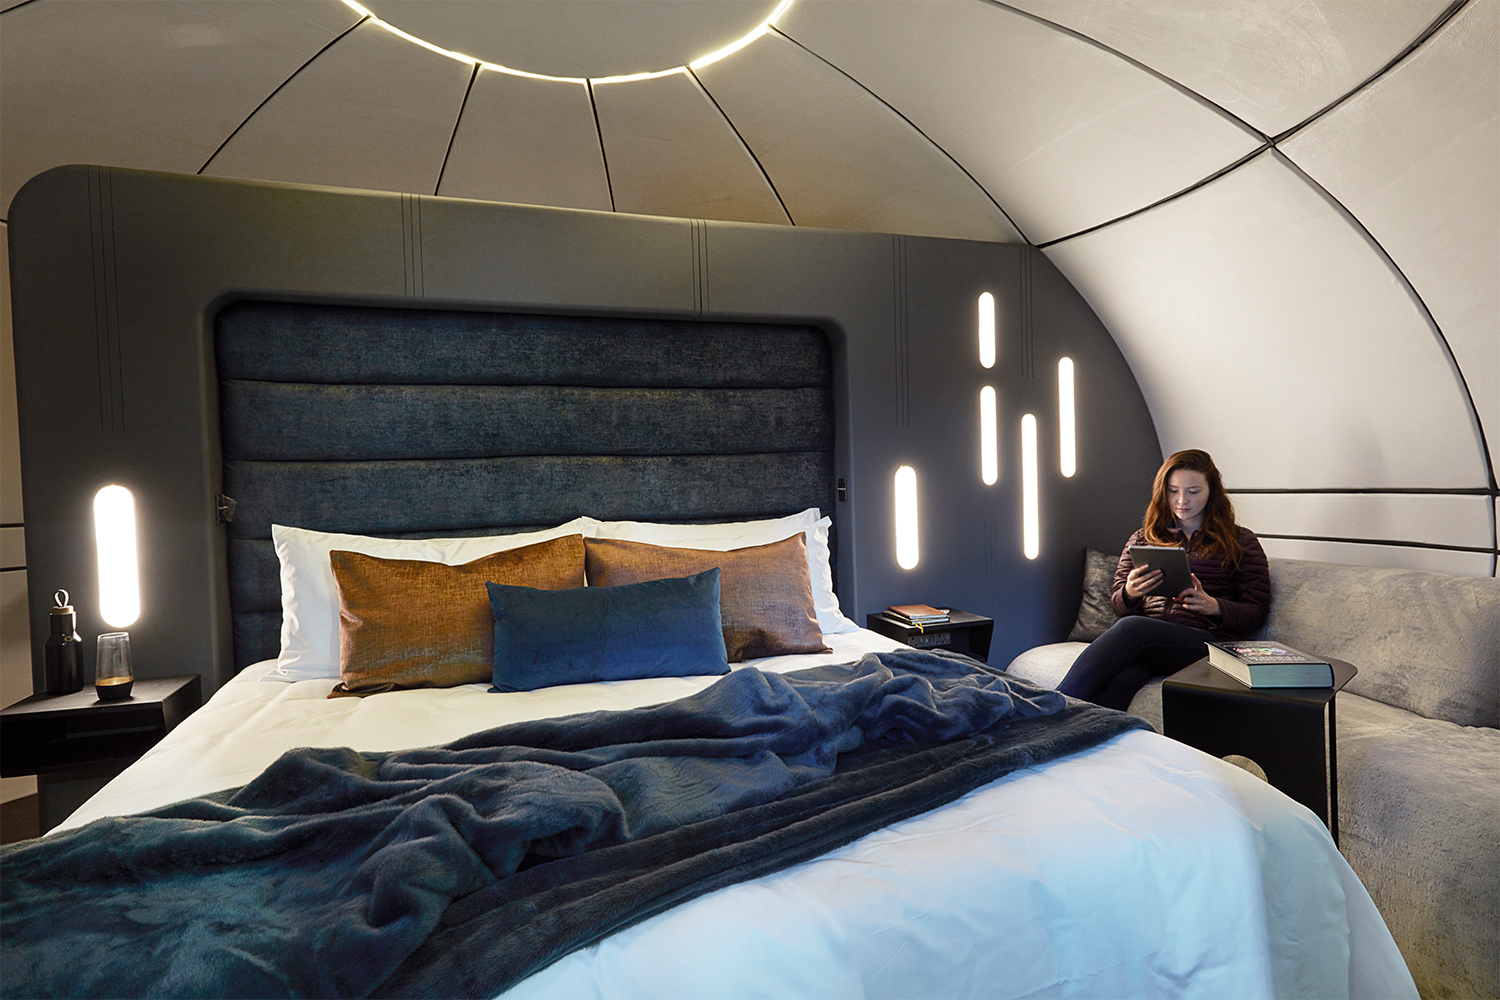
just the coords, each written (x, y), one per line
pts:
(906, 517)
(114, 539)
(989, 449)
(1067, 443)
(986, 330)
(1031, 533)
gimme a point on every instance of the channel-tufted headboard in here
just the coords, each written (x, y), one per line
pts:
(409, 423)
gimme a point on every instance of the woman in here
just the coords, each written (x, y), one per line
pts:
(1160, 634)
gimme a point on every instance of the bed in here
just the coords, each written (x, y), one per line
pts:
(1138, 867)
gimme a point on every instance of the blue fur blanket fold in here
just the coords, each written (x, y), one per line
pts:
(459, 870)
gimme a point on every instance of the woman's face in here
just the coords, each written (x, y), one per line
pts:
(1187, 495)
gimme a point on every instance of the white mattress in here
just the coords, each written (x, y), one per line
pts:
(1139, 868)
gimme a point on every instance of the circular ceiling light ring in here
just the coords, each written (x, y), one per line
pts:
(760, 29)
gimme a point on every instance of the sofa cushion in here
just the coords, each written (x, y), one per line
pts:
(1426, 642)
(1095, 613)
(1419, 822)
(1048, 665)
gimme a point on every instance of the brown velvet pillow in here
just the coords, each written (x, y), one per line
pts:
(765, 595)
(408, 623)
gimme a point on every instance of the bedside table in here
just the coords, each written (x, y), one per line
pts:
(961, 633)
(1289, 732)
(74, 743)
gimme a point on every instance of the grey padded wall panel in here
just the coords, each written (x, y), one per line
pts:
(169, 250)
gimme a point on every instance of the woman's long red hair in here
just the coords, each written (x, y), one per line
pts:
(1218, 536)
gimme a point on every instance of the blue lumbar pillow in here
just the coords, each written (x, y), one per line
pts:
(659, 628)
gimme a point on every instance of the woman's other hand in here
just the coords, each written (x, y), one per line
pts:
(1194, 599)
(1141, 581)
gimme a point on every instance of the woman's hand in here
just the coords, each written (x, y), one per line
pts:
(1141, 581)
(1196, 599)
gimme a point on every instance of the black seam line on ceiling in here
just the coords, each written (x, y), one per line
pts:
(17, 524)
(454, 136)
(913, 125)
(603, 156)
(1162, 201)
(1174, 84)
(1432, 29)
(1437, 331)
(748, 151)
(337, 38)
(1489, 551)
(10, 569)
(23, 3)
(1462, 491)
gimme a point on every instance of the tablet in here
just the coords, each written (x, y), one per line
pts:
(1172, 561)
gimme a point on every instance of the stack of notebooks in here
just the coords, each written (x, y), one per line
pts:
(1267, 664)
(918, 615)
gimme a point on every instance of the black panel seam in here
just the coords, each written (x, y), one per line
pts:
(1482, 491)
(453, 136)
(1491, 550)
(1432, 29)
(748, 151)
(603, 155)
(337, 38)
(903, 333)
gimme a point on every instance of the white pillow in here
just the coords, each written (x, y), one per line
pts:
(738, 534)
(310, 598)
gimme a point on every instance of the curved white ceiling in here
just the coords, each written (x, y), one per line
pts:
(1286, 211)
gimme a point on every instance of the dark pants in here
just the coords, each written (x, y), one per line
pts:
(1134, 649)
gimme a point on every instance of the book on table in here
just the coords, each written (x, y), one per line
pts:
(1268, 664)
(918, 614)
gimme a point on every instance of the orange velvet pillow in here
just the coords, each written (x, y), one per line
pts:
(765, 595)
(408, 623)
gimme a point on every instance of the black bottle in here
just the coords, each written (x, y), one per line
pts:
(63, 652)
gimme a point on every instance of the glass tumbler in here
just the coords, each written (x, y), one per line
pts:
(113, 674)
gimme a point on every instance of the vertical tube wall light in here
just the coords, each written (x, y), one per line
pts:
(1067, 442)
(989, 450)
(1030, 517)
(986, 329)
(906, 517)
(114, 539)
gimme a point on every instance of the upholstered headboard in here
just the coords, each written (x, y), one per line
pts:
(408, 423)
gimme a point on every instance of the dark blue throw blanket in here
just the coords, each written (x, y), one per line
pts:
(459, 870)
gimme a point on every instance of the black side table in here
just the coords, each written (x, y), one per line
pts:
(1289, 732)
(74, 743)
(961, 633)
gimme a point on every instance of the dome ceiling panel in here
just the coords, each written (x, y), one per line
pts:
(837, 156)
(1262, 326)
(1064, 135)
(670, 152)
(373, 111)
(153, 84)
(1272, 63)
(528, 141)
(1415, 157)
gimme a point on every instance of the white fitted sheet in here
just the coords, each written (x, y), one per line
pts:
(1139, 868)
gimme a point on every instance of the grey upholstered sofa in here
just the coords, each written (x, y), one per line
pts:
(1418, 748)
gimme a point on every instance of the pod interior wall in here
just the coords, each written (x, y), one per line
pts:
(117, 275)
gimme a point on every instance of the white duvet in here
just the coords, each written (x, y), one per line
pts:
(1141, 868)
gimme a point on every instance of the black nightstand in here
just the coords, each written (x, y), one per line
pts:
(961, 633)
(74, 743)
(1289, 732)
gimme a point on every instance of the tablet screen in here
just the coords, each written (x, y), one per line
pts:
(1173, 562)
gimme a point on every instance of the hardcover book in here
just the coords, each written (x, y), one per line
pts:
(918, 614)
(1268, 664)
